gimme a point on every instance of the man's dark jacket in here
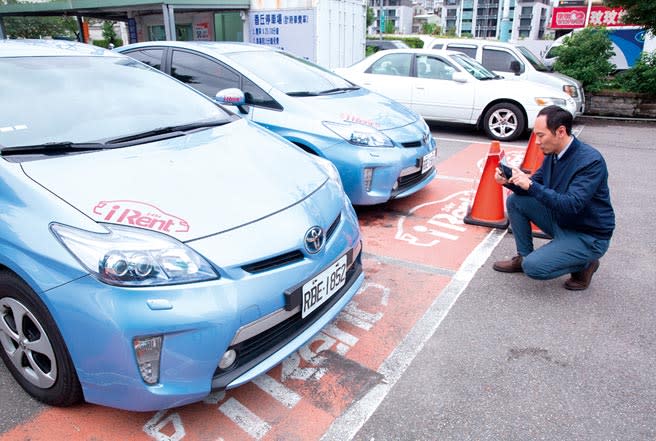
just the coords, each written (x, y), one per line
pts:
(575, 188)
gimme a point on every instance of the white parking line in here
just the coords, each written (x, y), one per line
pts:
(351, 421)
(279, 391)
(478, 141)
(244, 418)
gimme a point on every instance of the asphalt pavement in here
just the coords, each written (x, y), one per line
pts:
(520, 359)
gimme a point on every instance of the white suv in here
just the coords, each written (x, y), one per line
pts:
(513, 61)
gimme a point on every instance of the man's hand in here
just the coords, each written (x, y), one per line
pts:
(520, 179)
(499, 177)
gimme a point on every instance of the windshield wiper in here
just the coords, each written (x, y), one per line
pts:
(338, 89)
(169, 131)
(302, 93)
(52, 148)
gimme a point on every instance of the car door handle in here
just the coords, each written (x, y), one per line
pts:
(419, 87)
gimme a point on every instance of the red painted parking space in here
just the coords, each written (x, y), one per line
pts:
(412, 246)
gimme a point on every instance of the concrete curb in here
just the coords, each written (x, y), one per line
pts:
(614, 118)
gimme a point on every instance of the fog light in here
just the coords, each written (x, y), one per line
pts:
(228, 359)
(368, 177)
(148, 351)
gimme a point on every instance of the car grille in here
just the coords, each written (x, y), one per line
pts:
(286, 258)
(408, 181)
(412, 144)
(255, 349)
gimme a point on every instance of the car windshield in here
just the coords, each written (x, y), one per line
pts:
(530, 56)
(290, 74)
(473, 67)
(85, 99)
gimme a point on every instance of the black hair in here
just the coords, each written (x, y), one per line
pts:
(556, 117)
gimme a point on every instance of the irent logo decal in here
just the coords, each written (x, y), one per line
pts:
(140, 214)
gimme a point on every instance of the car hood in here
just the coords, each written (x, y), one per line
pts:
(566, 78)
(359, 106)
(528, 90)
(187, 187)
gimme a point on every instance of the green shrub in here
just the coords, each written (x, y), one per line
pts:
(104, 43)
(585, 55)
(641, 77)
(413, 42)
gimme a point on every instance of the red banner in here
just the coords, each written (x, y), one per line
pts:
(574, 17)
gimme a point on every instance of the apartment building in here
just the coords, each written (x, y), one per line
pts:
(482, 18)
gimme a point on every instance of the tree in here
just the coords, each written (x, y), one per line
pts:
(389, 27)
(108, 32)
(584, 56)
(371, 17)
(431, 29)
(38, 27)
(638, 12)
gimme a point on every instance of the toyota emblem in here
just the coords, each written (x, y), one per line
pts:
(314, 239)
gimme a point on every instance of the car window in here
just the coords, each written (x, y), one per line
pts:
(433, 68)
(64, 99)
(495, 59)
(205, 75)
(438, 46)
(473, 67)
(467, 50)
(151, 57)
(256, 96)
(288, 73)
(392, 64)
(530, 56)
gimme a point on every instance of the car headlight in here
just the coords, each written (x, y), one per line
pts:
(540, 101)
(127, 256)
(570, 90)
(359, 134)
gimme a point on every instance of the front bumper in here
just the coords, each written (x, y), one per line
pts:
(198, 321)
(395, 172)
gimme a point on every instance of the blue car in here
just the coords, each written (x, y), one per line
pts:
(154, 247)
(382, 149)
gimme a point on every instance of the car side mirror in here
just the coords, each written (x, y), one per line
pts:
(232, 97)
(460, 77)
(515, 67)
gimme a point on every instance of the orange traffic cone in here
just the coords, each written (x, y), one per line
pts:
(487, 209)
(533, 157)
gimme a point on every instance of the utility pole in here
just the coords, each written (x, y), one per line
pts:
(504, 29)
(587, 15)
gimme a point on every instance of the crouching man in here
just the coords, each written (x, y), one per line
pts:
(568, 198)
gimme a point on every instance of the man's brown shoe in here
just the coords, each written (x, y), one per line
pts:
(581, 279)
(513, 265)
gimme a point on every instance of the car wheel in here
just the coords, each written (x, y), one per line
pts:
(504, 122)
(32, 347)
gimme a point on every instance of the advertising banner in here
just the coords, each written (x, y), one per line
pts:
(574, 17)
(291, 29)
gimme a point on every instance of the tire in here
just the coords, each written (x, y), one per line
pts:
(32, 347)
(504, 122)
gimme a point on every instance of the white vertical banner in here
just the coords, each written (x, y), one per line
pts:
(292, 30)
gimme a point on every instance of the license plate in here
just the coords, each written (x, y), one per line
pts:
(323, 286)
(427, 162)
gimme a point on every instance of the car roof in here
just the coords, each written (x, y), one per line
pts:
(49, 48)
(471, 42)
(418, 51)
(217, 47)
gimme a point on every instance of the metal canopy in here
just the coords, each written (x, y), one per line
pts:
(116, 10)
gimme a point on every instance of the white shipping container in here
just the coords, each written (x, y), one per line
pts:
(328, 32)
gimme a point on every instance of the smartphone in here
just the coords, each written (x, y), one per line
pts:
(506, 170)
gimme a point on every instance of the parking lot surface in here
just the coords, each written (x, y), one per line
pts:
(437, 345)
